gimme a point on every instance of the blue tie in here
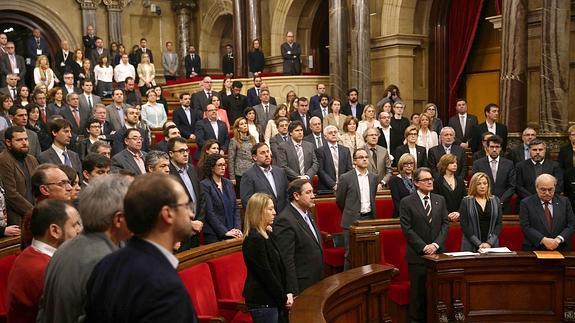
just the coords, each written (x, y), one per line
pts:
(67, 161)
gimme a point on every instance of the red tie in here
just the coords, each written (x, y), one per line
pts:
(548, 216)
(43, 111)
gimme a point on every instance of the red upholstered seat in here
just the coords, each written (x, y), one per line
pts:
(314, 182)
(328, 219)
(229, 273)
(453, 240)
(5, 267)
(384, 208)
(393, 249)
(200, 286)
(511, 236)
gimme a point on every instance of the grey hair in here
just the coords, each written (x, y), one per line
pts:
(153, 157)
(545, 177)
(444, 129)
(100, 200)
(366, 133)
(328, 129)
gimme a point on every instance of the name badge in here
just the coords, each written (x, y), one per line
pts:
(16, 70)
(38, 52)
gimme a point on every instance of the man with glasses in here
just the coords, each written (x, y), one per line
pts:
(185, 172)
(16, 168)
(131, 119)
(203, 97)
(355, 196)
(424, 222)
(11, 88)
(211, 128)
(389, 137)
(59, 154)
(68, 86)
(13, 64)
(333, 159)
(447, 146)
(50, 182)
(132, 157)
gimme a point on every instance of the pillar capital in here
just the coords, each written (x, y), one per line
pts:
(89, 4)
(116, 5)
(183, 4)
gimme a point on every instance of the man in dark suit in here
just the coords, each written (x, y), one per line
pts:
(424, 222)
(61, 131)
(76, 115)
(389, 138)
(12, 64)
(500, 170)
(314, 101)
(302, 115)
(144, 49)
(546, 218)
(64, 60)
(107, 130)
(355, 196)
(264, 110)
(333, 159)
(96, 53)
(36, 46)
(491, 112)
(88, 99)
(205, 129)
(16, 168)
(193, 63)
(89, 39)
(185, 173)
(253, 93)
(236, 103)
(447, 146)
(282, 136)
(264, 178)
(11, 88)
(146, 282)
(291, 52)
(132, 157)
(521, 152)
(316, 137)
(131, 118)
(298, 238)
(185, 117)
(171, 131)
(566, 163)
(228, 61)
(322, 109)
(352, 107)
(528, 170)
(297, 156)
(68, 85)
(463, 124)
(202, 98)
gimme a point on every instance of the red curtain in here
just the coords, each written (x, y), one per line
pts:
(498, 7)
(463, 21)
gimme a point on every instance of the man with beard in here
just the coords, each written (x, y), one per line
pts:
(352, 107)
(528, 170)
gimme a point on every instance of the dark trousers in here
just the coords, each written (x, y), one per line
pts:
(267, 315)
(417, 293)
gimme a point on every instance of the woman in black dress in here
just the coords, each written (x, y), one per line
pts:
(449, 186)
(402, 184)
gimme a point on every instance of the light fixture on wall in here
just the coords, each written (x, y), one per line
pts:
(154, 8)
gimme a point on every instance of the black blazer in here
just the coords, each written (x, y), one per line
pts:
(195, 64)
(200, 100)
(404, 149)
(266, 281)
(395, 138)
(181, 120)
(204, 131)
(534, 224)
(452, 197)
(254, 181)
(118, 143)
(565, 160)
(525, 171)
(504, 187)
(326, 170)
(228, 64)
(311, 139)
(417, 230)
(63, 65)
(295, 116)
(200, 201)
(256, 61)
(469, 126)
(398, 192)
(346, 109)
(215, 214)
(500, 130)
(84, 116)
(235, 106)
(252, 96)
(6, 68)
(469, 218)
(301, 251)
(435, 153)
(399, 125)
(146, 284)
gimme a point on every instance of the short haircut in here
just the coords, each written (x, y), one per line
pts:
(237, 84)
(536, 142)
(183, 94)
(486, 135)
(93, 161)
(347, 121)
(9, 132)
(444, 161)
(70, 172)
(100, 201)
(460, 99)
(417, 173)
(280, 120)
(45, 213)
(145, 198)
(166, 130)
(56, 125)
(488, 107)
(328, 129)
(302, 99)
(209, 163)
(153, 157)
(294, 124)
(172, 142)
(95, 146)
(129, 131)
(91, 121)
(296, 186)
(352, 90)
(257, 146)
(543, 177)
(408, 130)
(39, 178)
(447, 128)
(321, 96)
(358, 150)
(404, 159)
(14, 109)
(494, 139)
(367, 131)
(86, 81)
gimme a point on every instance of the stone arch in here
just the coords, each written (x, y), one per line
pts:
(214, 23)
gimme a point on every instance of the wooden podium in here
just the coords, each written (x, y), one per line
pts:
(500, 288)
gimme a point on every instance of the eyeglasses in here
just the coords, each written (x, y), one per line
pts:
(408, 164)
(187, 205)
(63, 183)
(181, 151)
(361, 157)
(412, 134)
(430, 179)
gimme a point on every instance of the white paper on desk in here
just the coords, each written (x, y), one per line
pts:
(495, 250)
(461, 254)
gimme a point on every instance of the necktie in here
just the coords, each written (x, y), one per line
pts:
(90, 101)
(462, 121)
(548, 216)
(494, 169)
(538, 169)
(14, 94)
(374, 156)
(448, 150)
(140, 163)
(427, 208)
(312, 229)
(76, 116)
(270, 177)
(335, 157)
(43, 112)
(284, 137)
(324, 112)
(67, 161)
(209, 95)
(303, 121)
(299, 151)
(193, 57)
(318, 141)
(266, 110)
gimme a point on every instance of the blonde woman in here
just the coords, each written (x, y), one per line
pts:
(368, 120)
(153, 113)
(435, 123)
(43, 74)
(147, 74)
(480, 215)
(350, 137)
(425, 136)
(240, 156)
(266, 292)
(335, 118)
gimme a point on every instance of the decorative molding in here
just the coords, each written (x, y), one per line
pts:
(441, 309)
(89, 4)
(407, 40)
(116, 5)
(458, 309)
(180, 4)
(496, 21)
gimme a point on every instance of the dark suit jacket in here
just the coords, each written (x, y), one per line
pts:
(63, 65)
(146, 288)
(399, 126)
(348, 197)
(318, 113)
(469, 217)
(346, 109)
(18, 201)
(200, 100)
(50, 156)
(227, 64)
(398, 192)
(275, 141)
(301, 251)
(534, 224)
(32, 46)
(311, 139)
(84, 101)
(417, 230)
(434, 155)
(525, 171)
(94, 57)
(84, 148)
(125, 160)
(292, 63)
(66, 92)
(200, 201)
(118, 143)
(235, 106)
(500, 130)
(404, 149)
(469, 125)
(195, 65)
(288, 160)
(326, 169)
(395, 138)
(6, 68)
(253, 98)
(204, 131)
(254, 181)
(216, 224)
(452, 197)
(84, 116)
(181, 120)
(565, 160)
(139, 53)
(295, 116)
(504, 186)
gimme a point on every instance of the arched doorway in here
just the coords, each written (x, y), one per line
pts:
(320, 39)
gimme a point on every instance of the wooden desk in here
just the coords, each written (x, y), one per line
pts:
(357, 295)
(510, 288)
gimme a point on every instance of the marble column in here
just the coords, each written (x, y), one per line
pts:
(115, 23)
(240, 56)
(338, 74)
(555, 65)
(88, 13)
(513, 85)
(183, 14)
(360, 50)
(254, 21)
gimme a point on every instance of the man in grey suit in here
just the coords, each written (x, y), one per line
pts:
(11, 88)
(76, 114)
(297, 156)
(265, 110)
(203, 97)
(115, 111)
(291, 52)
(13, 64)
(99, 51)
(132, 157)
(88, 100)
(463, 123)
(170, 62)
(546, 219)
(424, 222)
(282, 124)
(264, 178)
(379, 158)
(20, 118)
(315, 137)
(61, 132)
(355, 196)
(334, 160)
(500, 170)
